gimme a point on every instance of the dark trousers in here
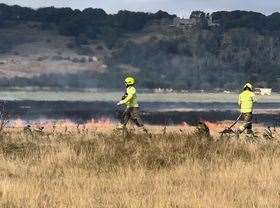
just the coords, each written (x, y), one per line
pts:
(132, 114)
(247, 118)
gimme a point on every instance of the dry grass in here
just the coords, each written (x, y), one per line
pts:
(86, 167)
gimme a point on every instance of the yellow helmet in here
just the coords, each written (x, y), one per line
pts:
(129, 81)
(248, 85)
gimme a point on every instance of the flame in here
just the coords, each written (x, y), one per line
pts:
(101, 123)
(185, 124)
(18, 123)
(65, 123)
(216, 126)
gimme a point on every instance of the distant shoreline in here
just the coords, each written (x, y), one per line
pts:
(113, 96)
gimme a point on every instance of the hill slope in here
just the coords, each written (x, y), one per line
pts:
(34, 52)
(71, 48)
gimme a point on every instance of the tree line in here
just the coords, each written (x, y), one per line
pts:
(93, 23)
(245, 47)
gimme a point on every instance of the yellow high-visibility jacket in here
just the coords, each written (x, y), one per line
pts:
(246, 101)
(131, 98)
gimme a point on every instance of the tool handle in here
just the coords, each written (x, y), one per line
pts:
(239, 117)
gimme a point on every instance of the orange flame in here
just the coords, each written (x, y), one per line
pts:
(18, 123)
(216, 126)
(101, 123)
(185, 124)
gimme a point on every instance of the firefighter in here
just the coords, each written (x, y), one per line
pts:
(246, 102)
(132, 108)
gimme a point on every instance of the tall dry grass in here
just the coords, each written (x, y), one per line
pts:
(86, 167)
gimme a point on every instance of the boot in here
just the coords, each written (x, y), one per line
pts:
(249, 131)
(237, 133)
(146, 131)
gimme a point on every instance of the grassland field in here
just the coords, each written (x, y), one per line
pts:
(92, 165)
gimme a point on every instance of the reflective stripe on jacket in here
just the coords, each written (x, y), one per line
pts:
(246, 101)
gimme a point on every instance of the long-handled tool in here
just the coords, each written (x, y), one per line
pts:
(229, 129)
(119, 115)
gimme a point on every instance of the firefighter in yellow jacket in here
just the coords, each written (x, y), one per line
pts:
(246, 102)
(132, 108)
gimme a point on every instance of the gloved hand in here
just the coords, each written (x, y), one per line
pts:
(119, 103)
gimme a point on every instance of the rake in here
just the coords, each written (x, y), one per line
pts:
(229, 129)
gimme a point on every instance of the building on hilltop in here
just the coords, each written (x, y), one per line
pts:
(210, 21)
(197, 18)
(181, 22)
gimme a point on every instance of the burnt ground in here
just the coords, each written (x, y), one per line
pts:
(84, 111)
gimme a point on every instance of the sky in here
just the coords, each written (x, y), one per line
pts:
(179, 7)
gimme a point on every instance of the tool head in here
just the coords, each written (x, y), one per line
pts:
(227, 131)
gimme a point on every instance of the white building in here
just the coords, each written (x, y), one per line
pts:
(181, 22)
(196, 18)
(263, 91)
